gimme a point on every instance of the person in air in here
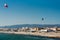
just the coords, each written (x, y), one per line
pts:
(5, 5)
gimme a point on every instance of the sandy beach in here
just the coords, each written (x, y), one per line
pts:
(46, 34)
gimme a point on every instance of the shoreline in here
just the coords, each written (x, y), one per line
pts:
(44, 34)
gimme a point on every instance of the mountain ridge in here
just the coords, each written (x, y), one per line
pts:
(31, 25)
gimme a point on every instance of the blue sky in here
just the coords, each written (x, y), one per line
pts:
(29, 12)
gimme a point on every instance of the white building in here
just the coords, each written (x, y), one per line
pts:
(43, 30)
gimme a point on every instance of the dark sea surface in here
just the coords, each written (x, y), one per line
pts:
(23, 37)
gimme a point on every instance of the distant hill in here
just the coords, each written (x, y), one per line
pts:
(31, 25)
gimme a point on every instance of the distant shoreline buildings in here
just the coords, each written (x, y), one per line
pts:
(31, 29)
(46, 31)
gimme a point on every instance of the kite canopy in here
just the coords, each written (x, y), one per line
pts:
(5, 5)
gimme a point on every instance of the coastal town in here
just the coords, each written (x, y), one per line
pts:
(37, 31)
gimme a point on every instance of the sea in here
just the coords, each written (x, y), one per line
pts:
(4, 36)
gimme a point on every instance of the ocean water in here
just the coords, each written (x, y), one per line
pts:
(23, 37)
